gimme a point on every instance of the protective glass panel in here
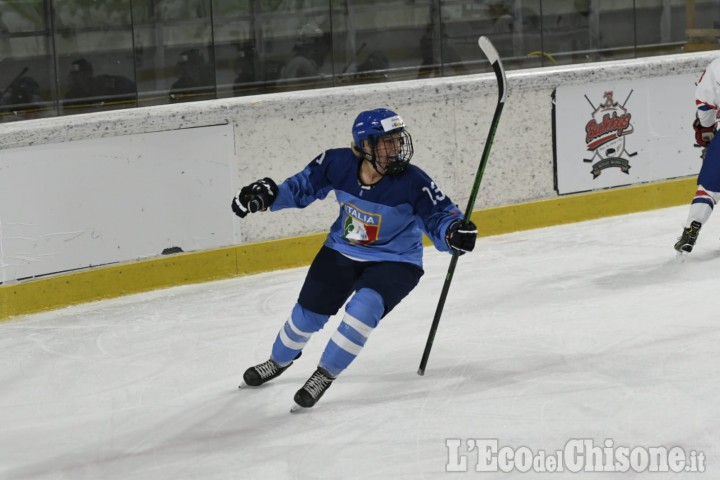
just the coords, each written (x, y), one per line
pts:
(377, 41)
(703, 26)
(94, 47)
(513, 26)
(239, 67)
(27, 67)
(74, 56)
(173, 51)
(297, 47)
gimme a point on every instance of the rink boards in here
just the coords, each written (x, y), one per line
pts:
(246, 259)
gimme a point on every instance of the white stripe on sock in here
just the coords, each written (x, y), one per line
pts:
(343, 342)
(289, 342)
(296, 329)
(364, 330)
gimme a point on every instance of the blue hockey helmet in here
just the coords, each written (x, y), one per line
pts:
(370, 126)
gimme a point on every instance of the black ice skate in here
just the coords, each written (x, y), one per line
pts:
(313, 389)
(262, 373)
(686, 242)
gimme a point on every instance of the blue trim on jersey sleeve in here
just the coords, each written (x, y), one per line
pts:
(434, 210)
(436, 227)
(305, 187)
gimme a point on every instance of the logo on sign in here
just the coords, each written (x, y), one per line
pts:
(605, 135)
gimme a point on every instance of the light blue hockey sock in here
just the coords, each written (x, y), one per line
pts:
(295, 334)
(362, 315)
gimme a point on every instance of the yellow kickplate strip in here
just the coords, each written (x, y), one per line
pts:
(584, 206)
(180, 269)
(145, 275)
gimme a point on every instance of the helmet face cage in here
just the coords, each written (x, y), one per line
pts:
(373, 126)
(402, 157)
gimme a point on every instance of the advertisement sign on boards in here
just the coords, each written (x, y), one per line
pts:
(624, 133)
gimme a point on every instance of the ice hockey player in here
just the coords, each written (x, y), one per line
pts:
(373, 251)
(707, 99)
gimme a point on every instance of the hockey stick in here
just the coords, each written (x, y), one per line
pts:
(491, 53)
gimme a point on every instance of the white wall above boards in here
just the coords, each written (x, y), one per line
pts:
(65, 206)
(625, 132)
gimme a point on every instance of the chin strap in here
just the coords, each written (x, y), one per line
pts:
(374, 165)
(370, 157)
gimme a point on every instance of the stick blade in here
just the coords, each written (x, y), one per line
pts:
(492, 55)
(488, 49)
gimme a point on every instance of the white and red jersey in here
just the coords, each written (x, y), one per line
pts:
(707, 94)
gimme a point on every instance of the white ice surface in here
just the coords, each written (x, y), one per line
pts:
(592, 330)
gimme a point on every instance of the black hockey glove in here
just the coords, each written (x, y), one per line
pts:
(255, 197)
(703, 135)
(461, 236)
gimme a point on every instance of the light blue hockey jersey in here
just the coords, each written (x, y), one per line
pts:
(379, 223)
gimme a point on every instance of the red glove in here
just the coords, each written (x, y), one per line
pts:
(703, 135)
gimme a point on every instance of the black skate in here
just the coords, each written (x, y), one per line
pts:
(686, 242)
(313, 389)
(264, 372)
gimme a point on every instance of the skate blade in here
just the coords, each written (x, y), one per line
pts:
(244, 385)
(297, 408)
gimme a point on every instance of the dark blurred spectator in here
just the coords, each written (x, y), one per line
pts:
(21, 98)
(373, 69)
(81, 81)
(196, 78)
(245, 70)
(308, 55)
(115, 89)
(90, 92)
(432, 64)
